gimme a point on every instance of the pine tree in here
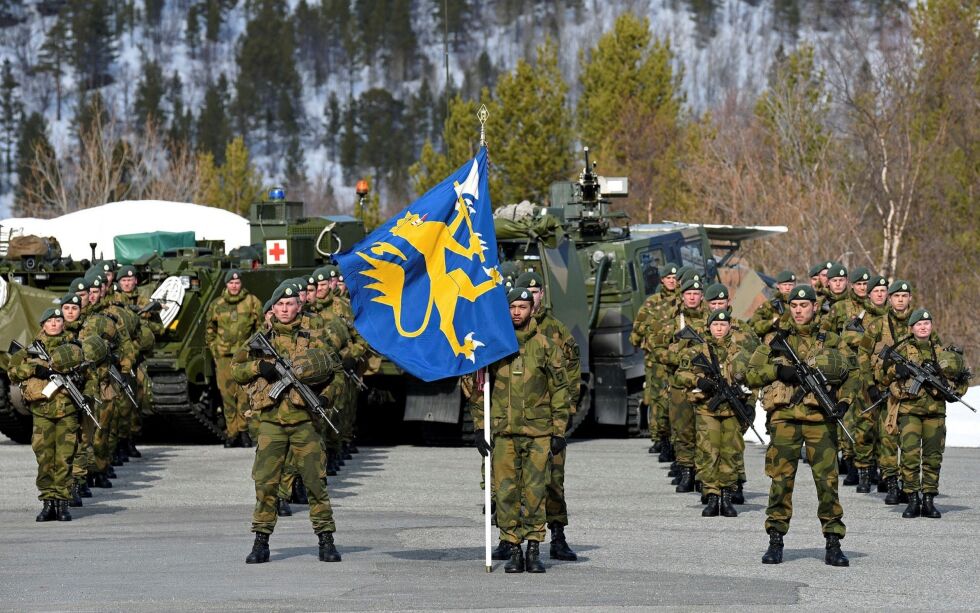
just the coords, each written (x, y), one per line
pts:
(10, 116)
(332, 124)
(625, 69)
(295, 170)
(213, 129)
(193, 32)
(452, 16)
(31, 142)
(349, 140)
(208, 181)
(531, 136)
(93, 42)
(149, 95)
(90, 114)
(181, 121)
(240, 182)
(54, 55)
(382, 136)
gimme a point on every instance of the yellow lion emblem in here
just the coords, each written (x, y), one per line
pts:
(432, 239)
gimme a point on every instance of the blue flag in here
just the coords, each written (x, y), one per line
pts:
(425, 286)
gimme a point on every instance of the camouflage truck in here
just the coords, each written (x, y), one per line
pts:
(598, 271)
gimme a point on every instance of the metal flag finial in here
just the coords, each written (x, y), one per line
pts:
(483, 114)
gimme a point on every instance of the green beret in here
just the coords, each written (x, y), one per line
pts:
(107, 265)
(509, 283)
(877, 281)
(815, 269)
(48, 314)
(267, 306)
(509, 268)
(310, 280)
(898, 286)
(803, 292)
(918, 315)
(719, 315)
(331, 271)
(233, 274)
(126, 271)
(320, 274)
(70, 299)
(519, 293)
(79, 284)
(859, 274)
(837, 270)
(716, 291)
(689, 275)
(786, 276)
(692, 284)
(668, 269)
(286, 289)
(683, 270)
(96, 282)
(530, 279)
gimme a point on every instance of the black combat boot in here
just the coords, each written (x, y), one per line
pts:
(115, 460)
(282, 508)
(101, 480)
(76, 500)
(903, 496)
(83, 489)
(502, 552)
(231, 442)
(516, 562)
(672, 471)
(90, 479)
(328, 552)
(532, 561)
(864, 481)
(330, 468)
(873, 473)
(842, 465)
(711, 510)
(698, 486)
(853, 476)
(110, 472)
(123, 449)
(245, 439)
(61, 510)
(929, 507)
(345, 449)
(260, 550)
(132, 450)
(727, 510)
(914, 509)
(738, 494)
(299, 492)
(559, 546)
(834, 556)
(774, 555)
(666, 452)
(686, 484)
(893, 497)
(48, 511)
(657, 446)
(883, 484)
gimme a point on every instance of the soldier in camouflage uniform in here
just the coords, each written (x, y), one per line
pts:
(559, 335)
(720, 439)
(71, 311)
(691, 312)
(529, 405)
(795, 418)
(55, 435)
(921, 416)
(816, 276)
(862, 419)
(654, 384)
(775, 310)
(888, 330)
(232, 319)
(285, 425)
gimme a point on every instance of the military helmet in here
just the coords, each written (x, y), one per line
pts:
(67, 356)
(832, 364)
(103, 326)
(316, 366)
(94, 349)
(951, 363)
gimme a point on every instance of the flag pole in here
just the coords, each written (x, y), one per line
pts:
(488, 479)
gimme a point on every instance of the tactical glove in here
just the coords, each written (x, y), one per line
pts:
(707, 386)
(558, 444)
(43, 372)
(902, 371)
(481, 442)
(787, 374)
(268, 371)
(842, 408)
(874, 394)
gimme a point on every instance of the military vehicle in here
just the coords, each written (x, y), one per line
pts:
(184, 403)
(598, 271)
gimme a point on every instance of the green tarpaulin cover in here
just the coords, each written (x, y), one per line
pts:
(131, 247)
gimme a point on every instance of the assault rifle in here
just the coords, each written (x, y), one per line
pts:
(812, 381)
(927, 373)
(726, 392)
(66, 381)
(260, 344)
(121, 382)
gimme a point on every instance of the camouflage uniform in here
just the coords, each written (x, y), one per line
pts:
(231, 321)
(793, 421)
(150, 328)
(720, 441)
(921, 418)
(529, 404)
(863, 425)
(648, 320)
(770, 313)
(842, 312)
(55, 435)
(560, 336)
(119, 423)
(284, 426)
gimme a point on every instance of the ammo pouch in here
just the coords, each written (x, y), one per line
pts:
(32, 389)
(258, 395)
(777, 394)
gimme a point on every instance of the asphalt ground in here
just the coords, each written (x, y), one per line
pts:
(173, 535)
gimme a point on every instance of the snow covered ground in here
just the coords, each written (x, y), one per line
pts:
(100, 224)
(962, 425)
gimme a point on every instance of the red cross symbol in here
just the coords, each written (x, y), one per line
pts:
(276, 252)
